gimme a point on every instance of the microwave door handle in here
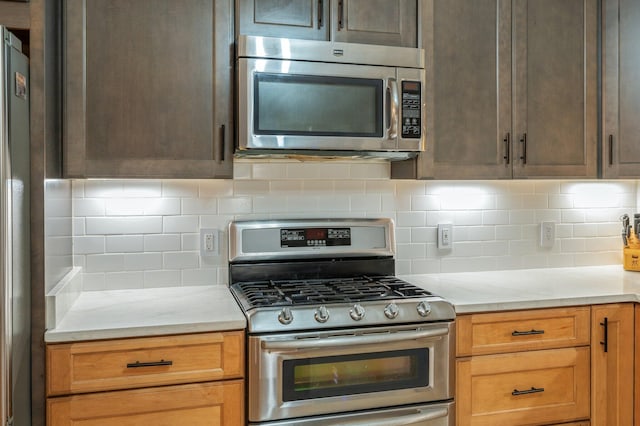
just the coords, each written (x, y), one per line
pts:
(392, 110)
(405, 420)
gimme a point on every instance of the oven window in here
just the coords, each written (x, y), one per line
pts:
(307, 105)
(353, 374)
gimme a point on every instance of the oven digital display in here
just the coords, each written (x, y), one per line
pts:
(355, 374)
(315, 237)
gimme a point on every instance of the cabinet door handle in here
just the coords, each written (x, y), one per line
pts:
(527, 333)
(507, 150)
(221, 145)
(523, 141)
(340, 15)
(139, 364)
(611, 150)
(517, 392)
(605, 343)
(320, 13)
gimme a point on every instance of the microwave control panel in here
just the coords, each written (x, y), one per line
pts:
(411, 110)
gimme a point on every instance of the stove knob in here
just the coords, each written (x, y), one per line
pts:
(322, 314)
(391, 311)
(285, 316)
(357, 312)
(424, 309)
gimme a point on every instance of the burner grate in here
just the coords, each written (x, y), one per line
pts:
(340, 290)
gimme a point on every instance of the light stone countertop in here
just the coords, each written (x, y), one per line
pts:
(148, 312)
(176, 310)
(532, 288)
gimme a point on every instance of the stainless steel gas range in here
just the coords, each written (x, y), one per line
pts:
(333, 336)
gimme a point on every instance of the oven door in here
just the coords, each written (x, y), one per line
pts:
(306, 374)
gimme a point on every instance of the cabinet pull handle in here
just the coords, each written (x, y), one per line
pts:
(507, 142)
(340, 15)
(605, 343)
(517, 392)
(524, 148)
(527, 333)
(611, 150)
(222, 143)
(139, 364)
(320, 13)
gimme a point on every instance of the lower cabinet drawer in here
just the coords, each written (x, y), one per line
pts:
(94, 366)
(524, 388)
(211, 404)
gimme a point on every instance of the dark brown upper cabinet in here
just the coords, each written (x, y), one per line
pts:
(148, 88)
(621, 89)
(511, 90)
(385, 22)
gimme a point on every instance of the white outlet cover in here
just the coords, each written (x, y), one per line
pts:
(547, 234)
(445, 236)
(209, 242)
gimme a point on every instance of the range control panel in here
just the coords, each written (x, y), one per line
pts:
(411, 110)
(315, 237)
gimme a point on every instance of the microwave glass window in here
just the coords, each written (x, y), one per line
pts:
(341, 106)
(354, 374)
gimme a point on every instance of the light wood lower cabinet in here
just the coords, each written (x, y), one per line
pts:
(215, 403)
(564, 366)
(529, 367)
(194, 379)
(525, 388)
(612, 348)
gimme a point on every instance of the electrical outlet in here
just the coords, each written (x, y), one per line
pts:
(445, 236)
(547, 234)
(209, 242)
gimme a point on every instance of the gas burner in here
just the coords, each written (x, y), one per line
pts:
(324, 291)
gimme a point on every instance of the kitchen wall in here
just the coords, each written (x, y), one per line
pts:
(131, 234)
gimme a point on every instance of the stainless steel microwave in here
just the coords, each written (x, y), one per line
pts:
(328, 98)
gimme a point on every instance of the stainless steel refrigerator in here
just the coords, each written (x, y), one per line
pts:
(15, 297)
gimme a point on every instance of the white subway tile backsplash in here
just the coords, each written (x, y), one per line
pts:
(180, 189)
(163, 278)
(89, 207)
(88, 245)
(239, 205)
(104, 262)
(177, 224)
(124, 280)
(143, 262)
(146, 233)
(181, 260)
(196, 206)
(162, 242)
(411, 219)
(124, 244)
(123, 225)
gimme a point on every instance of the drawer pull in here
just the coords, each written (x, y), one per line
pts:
(139, 364)
(517, 392)
(527, 333)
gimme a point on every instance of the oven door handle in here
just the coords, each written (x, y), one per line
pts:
(374, 339)
(393, 100)
(411, 419)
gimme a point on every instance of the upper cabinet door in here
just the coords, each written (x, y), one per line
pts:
(385, 22)
(555, 90)
(147, 90)
(621, 89)
(304, 19)
(469, 94)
